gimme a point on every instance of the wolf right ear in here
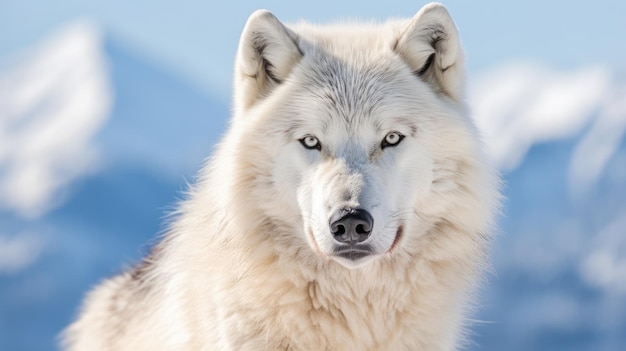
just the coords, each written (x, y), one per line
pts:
(267, 52)
(430, 46)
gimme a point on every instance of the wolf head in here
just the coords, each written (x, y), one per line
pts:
(354, 135)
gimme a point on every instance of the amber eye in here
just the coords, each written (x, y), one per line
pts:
(311, 142)
(391, 139)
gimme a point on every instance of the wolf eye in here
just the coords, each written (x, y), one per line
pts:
(391, 139)
(311, 142)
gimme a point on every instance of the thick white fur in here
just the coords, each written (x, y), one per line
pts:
(248, 263)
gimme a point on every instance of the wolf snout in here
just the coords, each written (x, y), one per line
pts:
(350, 226)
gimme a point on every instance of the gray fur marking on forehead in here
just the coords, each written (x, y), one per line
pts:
(350, 90)
(353, 94)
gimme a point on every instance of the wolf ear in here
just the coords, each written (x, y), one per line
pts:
(267, 52)
(430, 46)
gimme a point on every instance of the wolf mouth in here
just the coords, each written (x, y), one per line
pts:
(397, 239)
(353, 253)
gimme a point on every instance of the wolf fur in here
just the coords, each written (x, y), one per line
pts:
(249, 263)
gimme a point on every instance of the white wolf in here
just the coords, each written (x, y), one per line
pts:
(347, 208)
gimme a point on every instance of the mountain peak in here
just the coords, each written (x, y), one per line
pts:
(54, 96)
(520, 104)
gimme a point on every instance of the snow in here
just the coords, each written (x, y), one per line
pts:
(559, 138)
(520, 104)
(53, 99)
(604, 266)
(599, 144)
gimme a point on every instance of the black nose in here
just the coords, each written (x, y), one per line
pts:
(351, 225)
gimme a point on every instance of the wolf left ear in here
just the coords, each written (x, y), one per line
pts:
(267, 52)
(430, 46)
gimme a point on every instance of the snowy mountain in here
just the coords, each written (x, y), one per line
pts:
(560, 262)
(59, 88)
(96, 143)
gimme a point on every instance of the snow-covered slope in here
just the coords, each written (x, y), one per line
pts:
(560, 261)
(519, 105)
(52, 102)
(96, 143)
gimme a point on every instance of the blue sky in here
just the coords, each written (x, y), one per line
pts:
(197, 39)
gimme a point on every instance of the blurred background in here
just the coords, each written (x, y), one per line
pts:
(108, 108)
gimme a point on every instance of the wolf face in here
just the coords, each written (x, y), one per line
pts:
(353, 128)
(356, 190)
(356, 162)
